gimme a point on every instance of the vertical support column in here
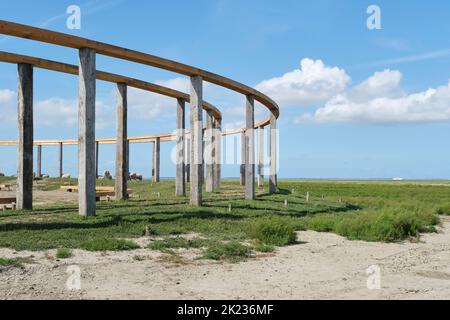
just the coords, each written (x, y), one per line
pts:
(218, 154)
(273, 155)
(180, 183)
(209, 153)
(250, 148)
(188, 158)
(261, 157)
(25, 138)
(156, 159)
(196, 102)
(97, 152)
(86, 139)
(128, 157)
(60, 159)
(242, 168)
(121, 143)
(39, 161)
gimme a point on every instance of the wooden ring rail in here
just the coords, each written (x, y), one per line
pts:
(66, 40)
(114, 78)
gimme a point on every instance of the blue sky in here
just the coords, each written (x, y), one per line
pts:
(355, 103)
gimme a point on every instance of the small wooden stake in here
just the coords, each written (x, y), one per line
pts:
(307, 197)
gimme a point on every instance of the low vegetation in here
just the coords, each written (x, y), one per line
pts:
(63, 253)
(371, 211)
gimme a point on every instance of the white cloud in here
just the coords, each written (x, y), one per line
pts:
(313, 82)
(7, 107)
(381, 100)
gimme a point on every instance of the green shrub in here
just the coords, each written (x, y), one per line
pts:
(443, 209)
(231, 251)
(273, 231)
(388, 225)
(104, 244)
(63, 253)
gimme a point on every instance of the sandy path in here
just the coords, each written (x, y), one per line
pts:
(324, 266)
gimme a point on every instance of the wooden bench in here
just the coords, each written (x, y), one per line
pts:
(98, 188)
(105, 195)
(8, 203)
(5, 186)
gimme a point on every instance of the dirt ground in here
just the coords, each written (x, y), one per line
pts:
(321, 266)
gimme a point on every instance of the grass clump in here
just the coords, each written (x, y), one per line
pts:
(106, 244)
(63, 253)
(176, 243)
(387, 224)
(265, 248)
(443, 209)
(14, 263)
(231, 251)
(273, 231)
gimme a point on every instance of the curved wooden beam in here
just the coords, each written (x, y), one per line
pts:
(66, 40)
(105, 76)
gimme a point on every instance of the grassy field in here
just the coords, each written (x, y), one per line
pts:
(372, 211)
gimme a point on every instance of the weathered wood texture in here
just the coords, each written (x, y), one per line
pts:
(25, 138)
(180, 182)
(250, 148)
(86, 134)
(196, 117)
(273, 155)
(121, 144)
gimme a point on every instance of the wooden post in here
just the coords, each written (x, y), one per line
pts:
(243, 148)
(86, 140)
(196, 103)
(60, 159)
(250, 148)
(209, 153)
(218, 154)
(39, 161)
(25, 139)
(180, 183)
(121, 143)
(261, 158)
(273, 155)
(156, 159)
(97, 153)
(188, 158)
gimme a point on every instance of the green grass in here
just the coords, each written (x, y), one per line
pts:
(176, 243)
(273, 231)
(105, 244)
(372, 211)
(232, 252)
(63, 253)
(14, 262)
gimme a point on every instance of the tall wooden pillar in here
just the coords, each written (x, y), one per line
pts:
(25, 138)
(156, 159)
(217, 154)
(242, 168)
(273, 155)
(60, 159)
(121, 143)
(180, 183)
(209, 153)
(86, 139)
(196, 102)
(39, 161)
(261, 157)
(250, 148)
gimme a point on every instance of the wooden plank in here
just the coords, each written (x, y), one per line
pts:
(105, 76)
(57, 38)
(8, 200)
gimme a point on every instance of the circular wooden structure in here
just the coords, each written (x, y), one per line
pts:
(87, 143)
